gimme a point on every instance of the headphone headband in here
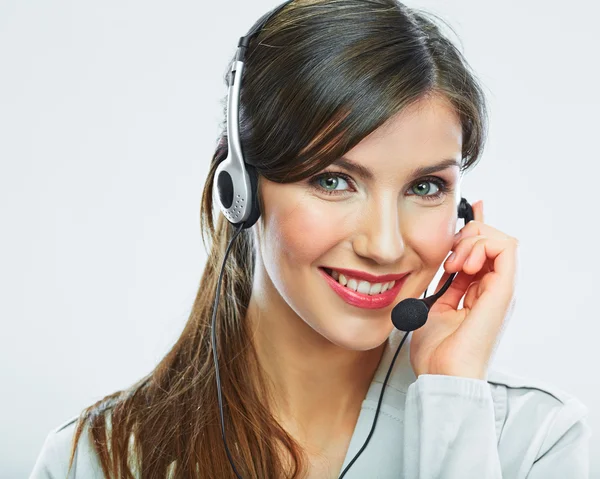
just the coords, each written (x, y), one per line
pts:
(237, 181)
(258, 26)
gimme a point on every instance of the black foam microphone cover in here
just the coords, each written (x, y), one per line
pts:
(410, 314)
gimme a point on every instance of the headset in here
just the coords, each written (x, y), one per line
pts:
(236, 184)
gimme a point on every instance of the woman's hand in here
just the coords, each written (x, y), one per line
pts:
(460, 342)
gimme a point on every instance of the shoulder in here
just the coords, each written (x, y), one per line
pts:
(53, 459)
(536, 411)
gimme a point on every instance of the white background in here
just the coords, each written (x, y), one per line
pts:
(109, 114)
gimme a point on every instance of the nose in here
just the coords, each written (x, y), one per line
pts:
(379, 235)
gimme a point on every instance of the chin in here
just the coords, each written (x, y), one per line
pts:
(364, 336)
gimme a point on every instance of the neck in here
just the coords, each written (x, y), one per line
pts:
(317, 387)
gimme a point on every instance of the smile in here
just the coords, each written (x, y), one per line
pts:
(356, 284)
(361, 293)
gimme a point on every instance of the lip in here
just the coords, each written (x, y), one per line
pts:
(371, 278)
(361, 300)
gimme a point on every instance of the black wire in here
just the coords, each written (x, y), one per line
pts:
(214, 348)
(387, 376)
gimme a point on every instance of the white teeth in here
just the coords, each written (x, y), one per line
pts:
(361, 286)
(364, 287)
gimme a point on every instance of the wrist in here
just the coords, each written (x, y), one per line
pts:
(471, 373)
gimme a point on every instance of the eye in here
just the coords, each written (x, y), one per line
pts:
(423, 188)
(331, 183)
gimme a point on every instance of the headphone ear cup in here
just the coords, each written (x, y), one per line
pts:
(255, 208)
(465, 210)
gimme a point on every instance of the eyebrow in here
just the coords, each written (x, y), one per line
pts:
(367, 174)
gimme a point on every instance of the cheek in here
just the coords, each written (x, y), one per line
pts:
(431, 237)
(300, 233)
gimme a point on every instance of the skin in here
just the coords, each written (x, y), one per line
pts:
(321, 353)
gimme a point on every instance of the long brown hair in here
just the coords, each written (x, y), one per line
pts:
(319, 77)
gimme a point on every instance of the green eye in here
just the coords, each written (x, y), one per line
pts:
(423, 188)
(330, 182)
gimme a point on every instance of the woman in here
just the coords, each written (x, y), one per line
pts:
(360, 119)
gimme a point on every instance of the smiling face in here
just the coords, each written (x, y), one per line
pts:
(372, 212)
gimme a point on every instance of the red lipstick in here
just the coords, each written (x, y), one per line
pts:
(371, 278)
(361, 300)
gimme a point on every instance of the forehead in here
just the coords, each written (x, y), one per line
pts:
(424, 132)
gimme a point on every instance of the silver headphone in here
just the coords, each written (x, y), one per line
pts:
(236, 181)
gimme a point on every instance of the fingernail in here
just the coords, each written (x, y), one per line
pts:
(451, 258)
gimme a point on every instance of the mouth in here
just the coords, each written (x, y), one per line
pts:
(360, 285)
(360, 293)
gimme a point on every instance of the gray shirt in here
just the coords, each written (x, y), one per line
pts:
(433, 427)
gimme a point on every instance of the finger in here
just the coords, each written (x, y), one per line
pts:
(476, 258)
(478, 211)
(488, 306)
(476, 266)
(488, 248)
(462, 252)
(451, 298)
(472, 294)
(476, 228)
(488, 309)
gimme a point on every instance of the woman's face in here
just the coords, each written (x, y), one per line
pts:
(378, 217)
